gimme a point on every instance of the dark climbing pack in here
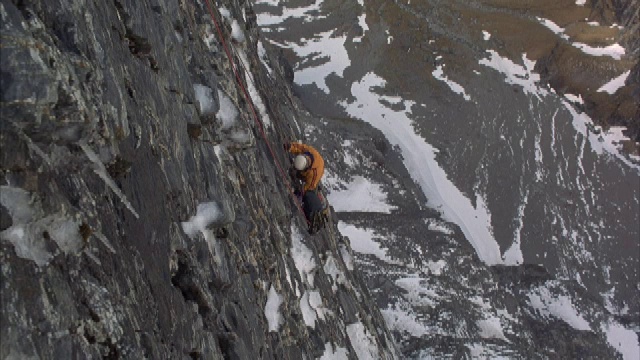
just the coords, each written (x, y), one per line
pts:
(316, 209)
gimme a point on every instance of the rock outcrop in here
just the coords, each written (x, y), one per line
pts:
(145, 207)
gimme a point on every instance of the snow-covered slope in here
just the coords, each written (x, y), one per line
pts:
(492, 216)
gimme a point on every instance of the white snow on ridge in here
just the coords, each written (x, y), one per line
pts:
(262, 53)
(401, 317)
(609, 141)
(331, 353)
(332, 53)
(615, 51)
(419, 159)
(490, 328)
(308, 314)
(362, 241)
(307, 14)
(438, 73)
(332, 269)
(363, 343)
(324, 48)
(553, 27)
(623, 340)
(521, 75)
(558, 306)
(574, 98)
(612, 86)
(441, 226)
(362, 21)
(416, 293)
(524, 76)
(361, 195)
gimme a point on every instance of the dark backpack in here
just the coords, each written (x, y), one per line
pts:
(316, 209)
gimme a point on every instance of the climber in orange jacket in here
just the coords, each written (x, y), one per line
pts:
(309, 167)
(308, 163)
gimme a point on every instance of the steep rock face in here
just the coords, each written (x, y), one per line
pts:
(145, 211)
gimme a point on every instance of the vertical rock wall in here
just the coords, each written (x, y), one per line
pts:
(144, 211)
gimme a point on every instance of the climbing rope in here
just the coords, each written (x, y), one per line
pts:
(253, 110)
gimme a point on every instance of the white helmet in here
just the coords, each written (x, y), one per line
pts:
(300, 162)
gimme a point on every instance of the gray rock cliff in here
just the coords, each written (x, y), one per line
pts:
(145, 207)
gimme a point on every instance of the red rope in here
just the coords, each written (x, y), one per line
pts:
(253, 110)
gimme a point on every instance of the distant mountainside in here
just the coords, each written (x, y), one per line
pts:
(471, 164)
(145, 208)
(568, 71)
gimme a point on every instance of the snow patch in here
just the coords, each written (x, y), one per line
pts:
(363, 343)
(362, 241)
(262, 54)
(308, 313)
(253, 91)
(236, 31)
(521, 75)
(553, 27)
(417, 292)
(615, 51)
(574, 98)
(438, 73)
(272, 309)
(491, 328)
(600, 140)
(558, 306)
(302, 256)
(332, 269)
(334, 353)
(402, 318)
(346, 257)
(227, 113)
(623, 340)
(206, 214)
(204, 96)
(360, 195)
(437, 267)
(306, 14)
(419, 159)
(29, 226)
(612, 86)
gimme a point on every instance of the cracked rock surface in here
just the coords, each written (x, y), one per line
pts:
(135, 221)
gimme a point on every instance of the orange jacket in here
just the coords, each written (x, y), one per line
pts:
(314, 173)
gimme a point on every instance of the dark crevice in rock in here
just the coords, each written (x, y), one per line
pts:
(130, 91)
(183, 279)
(225, 346)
